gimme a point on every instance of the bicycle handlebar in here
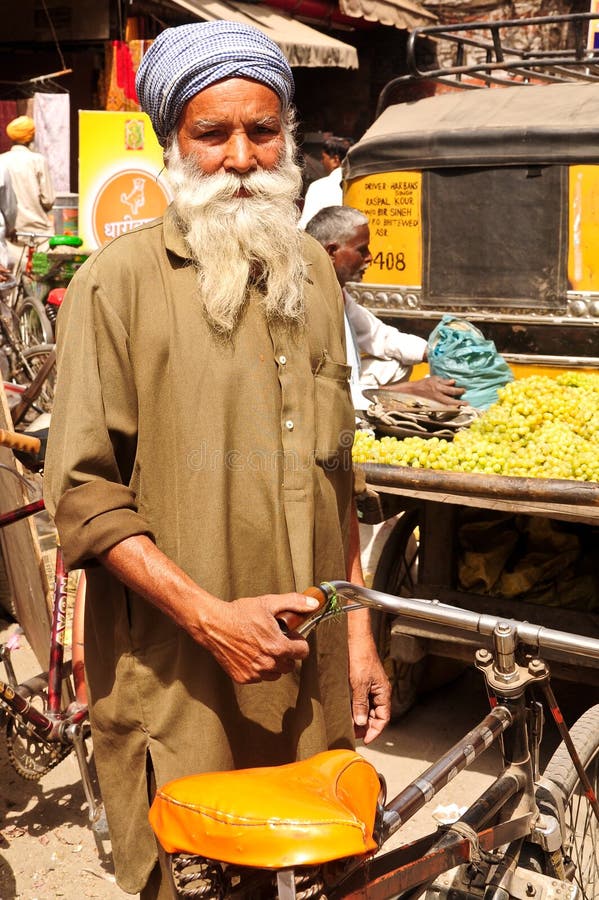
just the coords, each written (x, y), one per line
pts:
(562, 645)
(290, 621)
(33, 235)
(16, 441)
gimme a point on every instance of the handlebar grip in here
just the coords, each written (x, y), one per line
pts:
(290, 621)
(16, 441)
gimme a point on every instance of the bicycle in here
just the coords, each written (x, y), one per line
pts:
(37, 289)
(38, 394)
(46, 717)
(20, 363)
(28, 311)
(313, 828)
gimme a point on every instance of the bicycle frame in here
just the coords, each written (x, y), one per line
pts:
(58, 727)
(511, 797)
(518, 810)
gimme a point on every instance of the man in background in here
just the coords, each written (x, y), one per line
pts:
(30, 176)
(380, 355)
(326, 191)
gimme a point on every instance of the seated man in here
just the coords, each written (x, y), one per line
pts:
(390, 354)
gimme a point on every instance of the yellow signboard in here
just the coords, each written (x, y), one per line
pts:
(392, 202)
(583, 263)
(120, 186)
(593, 35)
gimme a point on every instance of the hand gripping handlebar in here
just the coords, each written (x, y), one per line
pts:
(343, 596)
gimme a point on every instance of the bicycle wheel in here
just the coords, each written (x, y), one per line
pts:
(34, 325)
(33, 359)
(581, 840)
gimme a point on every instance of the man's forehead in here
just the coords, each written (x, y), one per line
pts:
(240, 97)
(359, 235)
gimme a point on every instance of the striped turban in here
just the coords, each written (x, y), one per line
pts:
(183, 61)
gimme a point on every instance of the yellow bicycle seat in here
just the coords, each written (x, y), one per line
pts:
(304, 813)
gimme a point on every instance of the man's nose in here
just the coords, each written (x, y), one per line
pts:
(240, 154)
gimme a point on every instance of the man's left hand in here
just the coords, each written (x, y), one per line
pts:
(371, 691)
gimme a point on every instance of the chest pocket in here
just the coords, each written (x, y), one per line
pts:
(335, 420)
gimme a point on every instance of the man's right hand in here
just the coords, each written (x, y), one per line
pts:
(246, 640)
(243, 635)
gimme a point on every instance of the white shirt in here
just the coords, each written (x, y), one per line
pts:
(31, 181)
(323, 192)
(386, 354)
(353, 360)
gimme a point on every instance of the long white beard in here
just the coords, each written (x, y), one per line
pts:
(237, 241)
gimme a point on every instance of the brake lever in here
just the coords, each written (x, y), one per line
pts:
(328, 605)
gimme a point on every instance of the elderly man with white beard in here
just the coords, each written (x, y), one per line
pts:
(199, 461)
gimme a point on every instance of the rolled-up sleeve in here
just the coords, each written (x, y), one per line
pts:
(92, 444)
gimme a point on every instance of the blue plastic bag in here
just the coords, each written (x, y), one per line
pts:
(457, 349)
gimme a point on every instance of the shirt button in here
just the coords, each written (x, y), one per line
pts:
(289, 425)
(282, 360)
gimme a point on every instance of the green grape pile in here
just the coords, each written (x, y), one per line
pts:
(540, 427)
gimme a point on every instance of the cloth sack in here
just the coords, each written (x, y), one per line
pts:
(457, 349)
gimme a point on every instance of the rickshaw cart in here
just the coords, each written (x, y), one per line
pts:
(483, 200)
(420, 556)
(482, 195)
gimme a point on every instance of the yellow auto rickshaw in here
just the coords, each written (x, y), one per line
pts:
(484, 201)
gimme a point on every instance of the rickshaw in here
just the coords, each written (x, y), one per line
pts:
(483, 202)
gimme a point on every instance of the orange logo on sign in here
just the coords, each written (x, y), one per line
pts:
(126, 200)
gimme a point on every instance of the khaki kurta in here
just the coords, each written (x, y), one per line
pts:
(235, 455)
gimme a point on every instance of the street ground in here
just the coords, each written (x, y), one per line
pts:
(47, 849)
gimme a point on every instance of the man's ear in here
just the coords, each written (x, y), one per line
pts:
(331, 248)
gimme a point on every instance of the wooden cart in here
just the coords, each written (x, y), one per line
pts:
(421, 555)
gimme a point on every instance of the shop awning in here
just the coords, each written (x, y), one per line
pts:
(399, 13)
(302, 45)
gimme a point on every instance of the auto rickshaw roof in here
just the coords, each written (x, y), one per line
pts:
(526, 124)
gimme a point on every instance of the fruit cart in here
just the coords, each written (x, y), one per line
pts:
(422, 557)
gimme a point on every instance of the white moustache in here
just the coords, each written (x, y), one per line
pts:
(231, 187)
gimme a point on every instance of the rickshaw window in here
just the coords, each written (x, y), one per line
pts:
(497, 235)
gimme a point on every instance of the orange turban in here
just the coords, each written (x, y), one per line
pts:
(21, 130)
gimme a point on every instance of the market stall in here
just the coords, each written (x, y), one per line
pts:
(523, 547)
